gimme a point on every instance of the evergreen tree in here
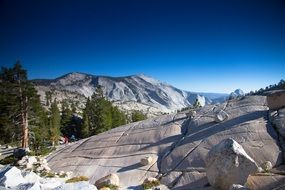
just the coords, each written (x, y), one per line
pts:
(86, 124)
(39, 134)
(54, 123)
(118, 117)
(16, 95)
(100, 115)
(66, 117)
(138, 116)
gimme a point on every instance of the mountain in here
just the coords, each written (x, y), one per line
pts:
(237, 93)
(139, 92)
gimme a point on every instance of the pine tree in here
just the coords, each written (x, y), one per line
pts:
(138, 116)
(66, 117)
(54, 123)
(100, 115)
(39, 134)
(86, 124)
(118, 117)
(17, 93)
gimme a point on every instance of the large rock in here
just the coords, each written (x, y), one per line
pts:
(20, 152)
(266, 182)
(11, 177)
(221, 116)
(111, 179)
(276, 100)
(177, 144)
(227, 163)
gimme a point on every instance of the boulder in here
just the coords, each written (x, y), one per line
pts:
(19, 153)
(276, 100)
(227, 163)
(11, 177)
(238, 187)
(32, 160)
(29, 186)
(146, 161)
(111, 179)
(221, 116)
(31, 177)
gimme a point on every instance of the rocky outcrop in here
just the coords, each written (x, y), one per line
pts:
(14, 178)
(177, 143)
(276, 99)
(227, 163)
(238, 93)
(11, 177)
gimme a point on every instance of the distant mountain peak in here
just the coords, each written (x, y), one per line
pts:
(237, 93)
(130, 92)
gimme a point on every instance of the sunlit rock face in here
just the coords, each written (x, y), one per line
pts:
(177, 144)
(137, 92)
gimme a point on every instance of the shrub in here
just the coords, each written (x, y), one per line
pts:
(150, 184)
(8, 160)
(47, 174)
(63, 175)
(77, 179)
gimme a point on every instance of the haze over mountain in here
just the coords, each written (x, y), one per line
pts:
(138, 92)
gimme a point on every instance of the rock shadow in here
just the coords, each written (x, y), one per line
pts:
(130, 167)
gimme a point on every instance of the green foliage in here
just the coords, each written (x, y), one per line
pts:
(54, 123)
(47, 174)
(18, 109)
(77, 179)
(100, 115)
(138, 116)
(150, 184)
(8, 160)
(39, 128)
(63, 175)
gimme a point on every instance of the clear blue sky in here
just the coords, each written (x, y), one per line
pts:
(196, 45)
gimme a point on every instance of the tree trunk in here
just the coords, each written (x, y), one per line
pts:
(24, 118)
(25, 130)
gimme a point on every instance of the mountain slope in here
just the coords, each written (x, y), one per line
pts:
(136, 90)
